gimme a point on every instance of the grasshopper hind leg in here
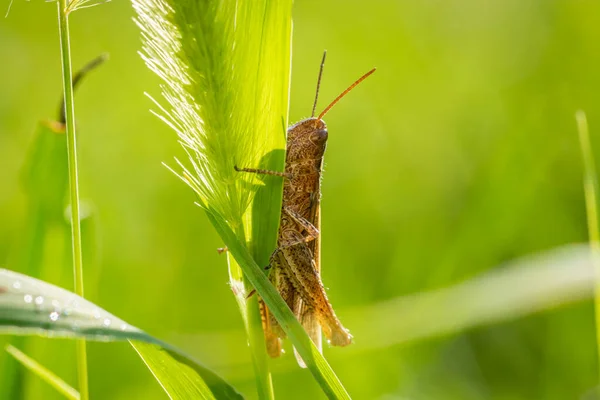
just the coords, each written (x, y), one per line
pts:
(310, 323)
(272, 339)
(273, 331)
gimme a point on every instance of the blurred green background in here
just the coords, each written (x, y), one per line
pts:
(460, 153)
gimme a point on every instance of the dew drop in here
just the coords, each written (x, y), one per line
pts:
(16, 285)
(106, 322)
(54, 316)
(28, 298)
(39, 300)
(96, 314)
(123, 327)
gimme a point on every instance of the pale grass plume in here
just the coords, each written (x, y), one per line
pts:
(208, 71)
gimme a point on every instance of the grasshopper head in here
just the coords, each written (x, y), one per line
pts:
(307, 139)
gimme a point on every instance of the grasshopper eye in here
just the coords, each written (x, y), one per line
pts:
(318, 136)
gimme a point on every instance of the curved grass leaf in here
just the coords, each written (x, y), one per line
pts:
(30, 306)
(186, 385)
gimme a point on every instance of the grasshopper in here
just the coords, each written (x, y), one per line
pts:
(295, 264)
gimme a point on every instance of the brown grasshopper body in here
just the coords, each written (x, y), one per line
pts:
(295, 264)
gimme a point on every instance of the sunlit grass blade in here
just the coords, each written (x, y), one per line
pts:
(186, 385)
(30, 306)
(590, 188)
(44, 373)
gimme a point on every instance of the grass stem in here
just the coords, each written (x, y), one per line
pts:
(44, 373)
(253, 326)
(590, 187)
(256, 341)
(63, 24)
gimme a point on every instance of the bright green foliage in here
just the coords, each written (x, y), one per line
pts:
(459, 155)
(30, 306)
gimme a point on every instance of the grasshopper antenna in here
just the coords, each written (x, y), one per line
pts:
(319, 84)
(345, 92)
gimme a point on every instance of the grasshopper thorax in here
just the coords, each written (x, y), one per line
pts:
(312, 129)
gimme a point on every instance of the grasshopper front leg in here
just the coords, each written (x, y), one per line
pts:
(263, 172)
(311, 231)
(290, 237)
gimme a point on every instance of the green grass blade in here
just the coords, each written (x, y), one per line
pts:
(181, 385)
(590, 188)
(30, 306)
(261, 220)
(44, 373)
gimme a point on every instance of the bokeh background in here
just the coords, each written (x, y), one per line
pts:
(460, 153)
